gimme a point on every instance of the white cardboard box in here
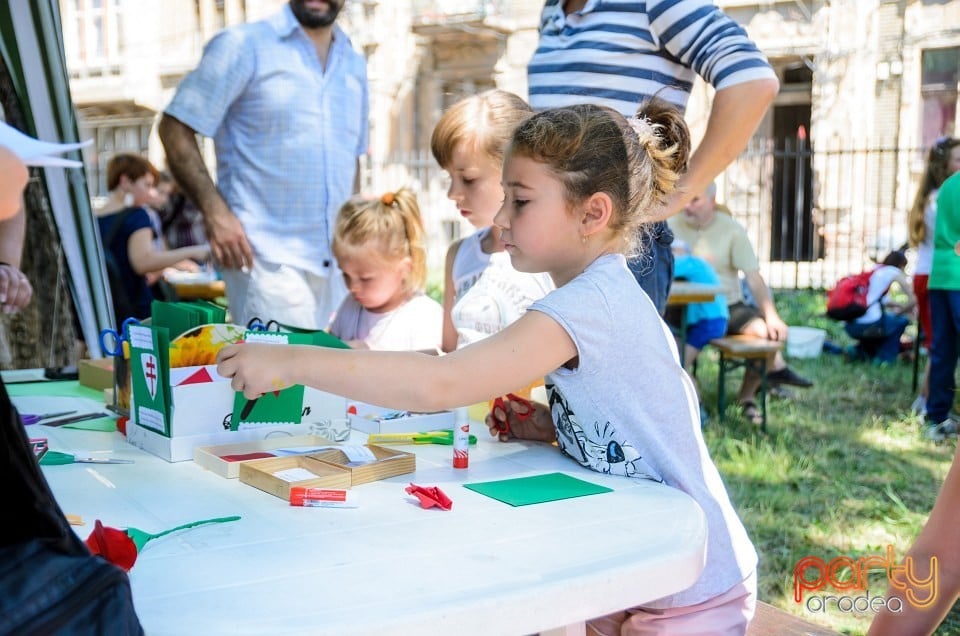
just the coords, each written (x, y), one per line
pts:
(198, 413)
(374, 419)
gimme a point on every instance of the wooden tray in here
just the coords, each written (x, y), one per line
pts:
(211, 457)
(390, 462)
(262, 474)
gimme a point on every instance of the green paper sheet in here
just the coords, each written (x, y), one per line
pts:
(176, 317)
(523, 491)
(103, 424)
(218, 314)
(150, 376)
(272, 408)
(68, 388)
(325, 339)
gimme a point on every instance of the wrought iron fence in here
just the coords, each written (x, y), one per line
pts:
(816, 214)
(813, 215)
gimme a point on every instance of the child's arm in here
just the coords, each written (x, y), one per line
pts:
(528, 349)
(449, 336)
(907, 289)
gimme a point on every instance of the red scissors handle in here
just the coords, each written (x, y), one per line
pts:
(501, 414)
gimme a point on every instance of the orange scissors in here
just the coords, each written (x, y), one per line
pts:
(522, 410)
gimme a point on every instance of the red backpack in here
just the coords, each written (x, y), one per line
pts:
(848, 299)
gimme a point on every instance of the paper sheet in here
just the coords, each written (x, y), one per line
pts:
(38, 405)
(524, 491)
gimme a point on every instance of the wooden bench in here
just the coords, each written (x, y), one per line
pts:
(770, 621)
(743, 351)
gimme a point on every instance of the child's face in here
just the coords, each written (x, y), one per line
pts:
(474, 185)
(538, 229)
(375, 282)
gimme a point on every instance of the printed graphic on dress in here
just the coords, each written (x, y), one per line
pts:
(597, 446)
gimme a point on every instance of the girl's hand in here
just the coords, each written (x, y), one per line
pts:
(256, 368)
(538, 427)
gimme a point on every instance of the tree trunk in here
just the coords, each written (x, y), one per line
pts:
(43, 333)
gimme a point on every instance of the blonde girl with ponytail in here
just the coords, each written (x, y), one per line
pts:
(379, 245)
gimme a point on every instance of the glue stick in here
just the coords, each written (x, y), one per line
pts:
(323, 497)
(461, 438)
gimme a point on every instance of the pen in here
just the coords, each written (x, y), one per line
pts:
(245, 413)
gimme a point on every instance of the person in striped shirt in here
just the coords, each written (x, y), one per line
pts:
(619, 53)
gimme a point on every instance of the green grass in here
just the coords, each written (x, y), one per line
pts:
(841, 471)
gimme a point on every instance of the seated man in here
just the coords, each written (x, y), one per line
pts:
(715, 236)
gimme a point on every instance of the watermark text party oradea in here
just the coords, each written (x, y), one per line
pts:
(849, 577)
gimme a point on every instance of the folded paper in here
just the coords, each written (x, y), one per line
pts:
(430, 497)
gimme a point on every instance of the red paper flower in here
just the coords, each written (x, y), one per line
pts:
(121, 547)
(114, 545)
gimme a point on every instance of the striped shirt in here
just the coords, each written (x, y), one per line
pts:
(287, 132)
(619, 53)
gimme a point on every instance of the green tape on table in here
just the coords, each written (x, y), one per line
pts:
(68, 388)
(523, 491)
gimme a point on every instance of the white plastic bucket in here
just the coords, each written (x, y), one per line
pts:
(805, 342)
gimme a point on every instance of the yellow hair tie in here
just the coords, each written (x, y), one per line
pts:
(388, 199)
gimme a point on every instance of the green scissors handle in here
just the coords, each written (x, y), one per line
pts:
(439, 437)
(433, 437)
(56, 458)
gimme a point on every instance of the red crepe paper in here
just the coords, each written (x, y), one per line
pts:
(114, 545)
(430, 496)
(242, 457)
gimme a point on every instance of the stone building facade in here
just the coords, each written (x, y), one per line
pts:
(875, 75)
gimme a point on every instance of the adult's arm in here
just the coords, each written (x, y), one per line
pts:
(776, 328)
(937, 539)
(735, 114)
(13, 231)
(228, 240)
(15, 288)
(14, 180)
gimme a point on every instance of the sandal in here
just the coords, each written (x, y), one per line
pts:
(751, 412)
